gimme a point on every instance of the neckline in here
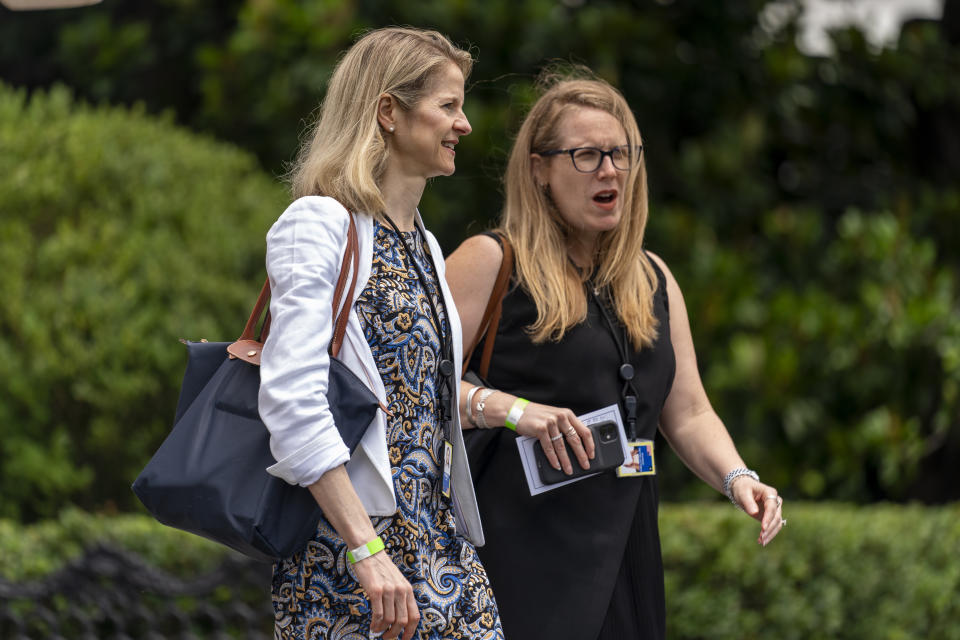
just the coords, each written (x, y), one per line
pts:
(413, 235)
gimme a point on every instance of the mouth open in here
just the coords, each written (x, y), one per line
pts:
(605, 197)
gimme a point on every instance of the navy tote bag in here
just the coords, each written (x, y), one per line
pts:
(209, 475)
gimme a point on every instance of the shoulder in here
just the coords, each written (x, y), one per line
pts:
(661, 267)
(673, 297)
(481, 249)
(320, 213)
(472, 269)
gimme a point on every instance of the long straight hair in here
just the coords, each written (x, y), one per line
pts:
(345, 153)
(538, 233)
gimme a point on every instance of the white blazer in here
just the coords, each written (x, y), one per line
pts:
(304, 251)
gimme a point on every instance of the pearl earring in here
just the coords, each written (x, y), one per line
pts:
(391, 128)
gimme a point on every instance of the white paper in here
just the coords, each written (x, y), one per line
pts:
(525, 446)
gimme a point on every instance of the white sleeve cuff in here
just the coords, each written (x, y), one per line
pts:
(305, 465)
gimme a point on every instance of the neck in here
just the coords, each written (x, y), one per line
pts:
(401, 195)
(582, 248)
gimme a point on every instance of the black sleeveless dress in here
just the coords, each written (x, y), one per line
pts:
(581, 562)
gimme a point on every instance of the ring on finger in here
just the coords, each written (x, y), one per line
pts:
(555, 438)
(771, 497)
(570, 432)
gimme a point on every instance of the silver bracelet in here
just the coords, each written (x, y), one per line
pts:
(481, 420)
(733, 475)
(470, 395)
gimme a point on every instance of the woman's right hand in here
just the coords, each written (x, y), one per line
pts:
(552, 426)
(393, 607)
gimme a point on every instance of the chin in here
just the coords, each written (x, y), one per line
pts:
(608, 222)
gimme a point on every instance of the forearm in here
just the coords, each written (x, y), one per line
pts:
(543, 422)
(342, 507)
(704, 445)
(495, 406)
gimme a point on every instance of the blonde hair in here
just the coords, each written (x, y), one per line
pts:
(345, 153)
(538, 233)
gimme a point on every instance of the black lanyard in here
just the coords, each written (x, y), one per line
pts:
(628, 392)
(445, 366)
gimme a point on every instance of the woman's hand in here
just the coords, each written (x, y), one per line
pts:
(393, 607)
(552, 426)
(762, 503)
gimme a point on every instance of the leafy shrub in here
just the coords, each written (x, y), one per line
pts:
(84, 575)
(119, 234)
(31, 552)
(836, 571)
(832, 355)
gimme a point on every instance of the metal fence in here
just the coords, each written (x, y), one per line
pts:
(112, 594)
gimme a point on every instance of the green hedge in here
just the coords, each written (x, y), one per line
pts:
(119, 234)
(836, 571)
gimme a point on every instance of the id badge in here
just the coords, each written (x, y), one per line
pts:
(447, 460)
(641, 461)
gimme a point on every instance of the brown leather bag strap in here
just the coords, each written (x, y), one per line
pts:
(349, 259)
(262, 301)
(491, 315)
(340, 326)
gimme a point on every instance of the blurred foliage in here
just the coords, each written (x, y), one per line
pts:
(884, 571)
(120, 234)
(92, 576)
(835, 571)
(33, 551)
(854, 355)
(807, 205)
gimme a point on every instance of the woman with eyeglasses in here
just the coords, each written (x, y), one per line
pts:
(589, 320)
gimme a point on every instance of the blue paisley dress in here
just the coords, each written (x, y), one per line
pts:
(315, 594)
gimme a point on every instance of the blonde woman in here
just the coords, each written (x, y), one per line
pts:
(394, 552)
(590, 320)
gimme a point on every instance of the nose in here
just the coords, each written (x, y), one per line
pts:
(606, 168)
(461, 125)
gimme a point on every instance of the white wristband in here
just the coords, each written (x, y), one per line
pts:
(515, 413)
(365, 551)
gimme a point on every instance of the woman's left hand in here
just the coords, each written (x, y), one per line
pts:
(762, 503)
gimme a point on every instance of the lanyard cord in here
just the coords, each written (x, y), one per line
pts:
(445, 366)
(628, 392)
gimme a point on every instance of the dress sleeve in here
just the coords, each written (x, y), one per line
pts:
(304, 248)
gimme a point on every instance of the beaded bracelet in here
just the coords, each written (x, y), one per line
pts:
(733, 475)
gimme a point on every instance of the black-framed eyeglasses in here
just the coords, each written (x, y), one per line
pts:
(589, 159)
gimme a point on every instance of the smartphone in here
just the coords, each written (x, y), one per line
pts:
(609, 454)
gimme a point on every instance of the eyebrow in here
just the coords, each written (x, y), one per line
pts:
(590, 145)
